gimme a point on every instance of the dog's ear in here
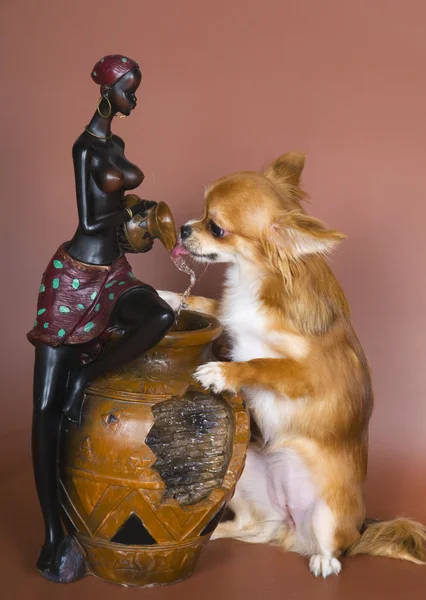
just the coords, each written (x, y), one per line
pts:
(287, 168)
(300, 234)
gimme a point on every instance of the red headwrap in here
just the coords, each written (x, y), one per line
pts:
(111, 68)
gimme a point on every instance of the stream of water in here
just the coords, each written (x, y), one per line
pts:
(182, 266)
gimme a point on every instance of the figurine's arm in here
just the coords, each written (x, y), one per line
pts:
(89, 224)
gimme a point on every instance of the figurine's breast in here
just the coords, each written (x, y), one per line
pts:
(112, 172)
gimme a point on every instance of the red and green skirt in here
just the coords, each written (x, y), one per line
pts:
(76, 300)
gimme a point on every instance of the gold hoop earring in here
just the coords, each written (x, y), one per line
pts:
(109, 107)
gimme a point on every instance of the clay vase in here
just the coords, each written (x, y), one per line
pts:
(145, 479)
(156, 222)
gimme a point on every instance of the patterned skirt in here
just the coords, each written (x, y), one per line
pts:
(76, 300)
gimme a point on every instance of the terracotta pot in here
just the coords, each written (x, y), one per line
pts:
(146, 477)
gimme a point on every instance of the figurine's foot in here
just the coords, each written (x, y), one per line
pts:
(47, 555)
(62, 564)
(74, 397)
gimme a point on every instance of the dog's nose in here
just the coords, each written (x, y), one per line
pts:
(185, 231)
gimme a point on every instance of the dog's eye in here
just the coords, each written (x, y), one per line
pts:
(215, 229)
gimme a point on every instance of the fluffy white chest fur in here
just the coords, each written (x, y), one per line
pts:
(252, 337)
(242, 317)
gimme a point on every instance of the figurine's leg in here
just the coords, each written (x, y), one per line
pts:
(51, 369)
(146, 318)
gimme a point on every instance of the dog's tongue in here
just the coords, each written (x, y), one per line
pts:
(179, 250)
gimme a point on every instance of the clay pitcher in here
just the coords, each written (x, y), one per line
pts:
(156, 222)
(146, 477)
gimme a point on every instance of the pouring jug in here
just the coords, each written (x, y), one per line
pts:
(156, 222)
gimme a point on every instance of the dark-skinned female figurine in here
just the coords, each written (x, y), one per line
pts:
(87, 288)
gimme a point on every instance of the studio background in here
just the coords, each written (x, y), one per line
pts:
(230, 85)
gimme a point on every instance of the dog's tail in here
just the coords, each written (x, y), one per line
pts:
(399, 538)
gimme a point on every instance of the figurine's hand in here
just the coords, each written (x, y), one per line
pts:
(214, 376)
(149, 245)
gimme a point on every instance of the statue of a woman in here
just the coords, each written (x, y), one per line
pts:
(88, 287)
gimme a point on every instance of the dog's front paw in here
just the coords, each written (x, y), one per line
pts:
(173, 300)
(213, 376)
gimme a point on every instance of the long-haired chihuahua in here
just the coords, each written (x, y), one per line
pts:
(298, 360)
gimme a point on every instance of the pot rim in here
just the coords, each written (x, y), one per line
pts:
(196, 337)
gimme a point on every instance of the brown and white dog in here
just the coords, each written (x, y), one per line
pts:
(302, 368)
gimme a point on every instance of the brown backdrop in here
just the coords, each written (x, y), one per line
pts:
(230, 85)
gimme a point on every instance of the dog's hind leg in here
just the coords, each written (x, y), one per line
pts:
(325, 562)
(256, 520)
(260, 532)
